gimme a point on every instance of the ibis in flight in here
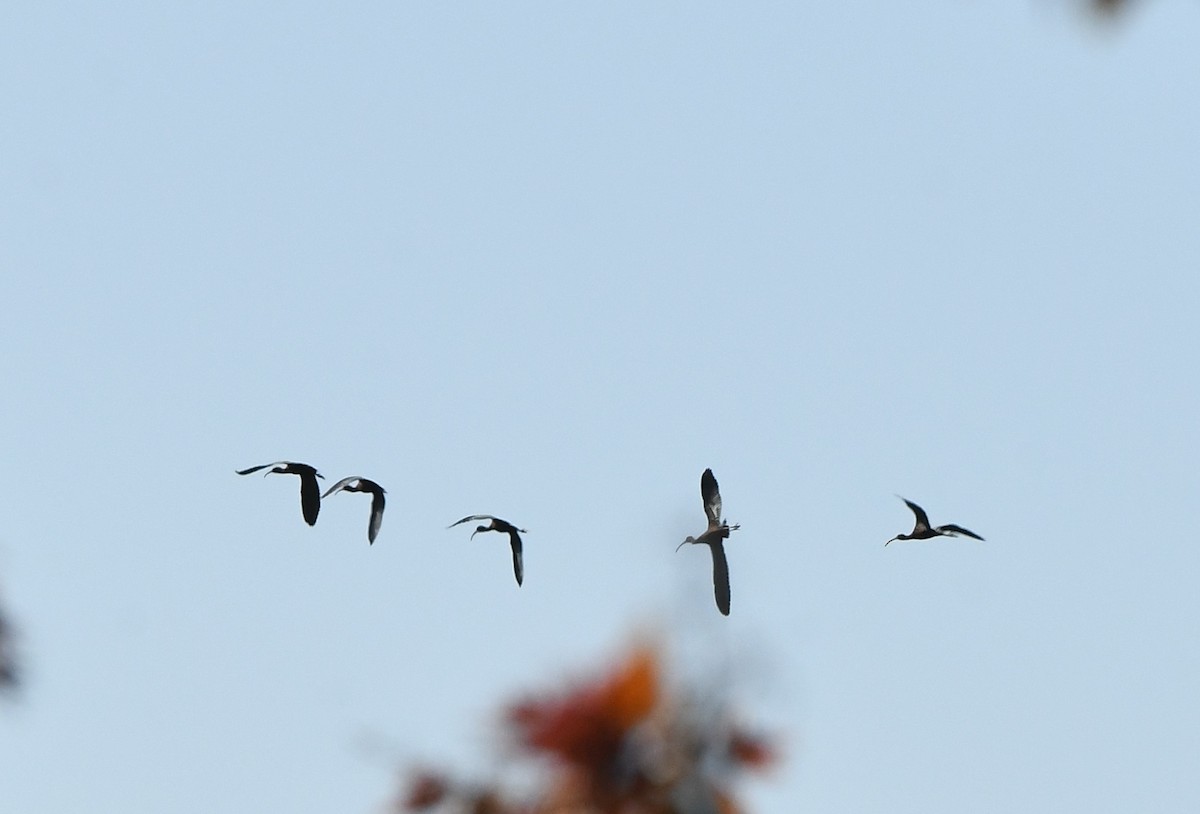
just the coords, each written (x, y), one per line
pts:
(923, 531)
(357, 484)
(514, 538)
(713, 537)
(310, 493)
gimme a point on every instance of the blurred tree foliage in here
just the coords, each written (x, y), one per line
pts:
(622, 743)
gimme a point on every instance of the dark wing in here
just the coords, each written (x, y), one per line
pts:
(953, 529)
(340, 485)
(310, 498)
(518, 561)
(720, 577)
(470, 518)
(376, 515)
(370, 485)
(712, 498)
(506, 527)
(256, 468)
(922, 518)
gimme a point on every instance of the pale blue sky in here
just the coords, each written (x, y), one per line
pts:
(551, 261)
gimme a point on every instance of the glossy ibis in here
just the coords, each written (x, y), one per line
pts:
(310, 493)
(923, 531)
(357, 484)
(514, 538)
(713, 537)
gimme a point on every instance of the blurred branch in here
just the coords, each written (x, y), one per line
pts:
(1109, 8)
(8, 661)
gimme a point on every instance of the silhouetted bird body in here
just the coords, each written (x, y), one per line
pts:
(922, 530)
(357, 484)
(514, 538)
(714, 537)
(310, 493)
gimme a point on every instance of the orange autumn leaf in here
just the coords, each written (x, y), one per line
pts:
(587, 726)
(425, 791)
(751, 751)
(633, 692)
(725, 804)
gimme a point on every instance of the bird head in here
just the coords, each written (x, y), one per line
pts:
(690, 539)
(477, 530)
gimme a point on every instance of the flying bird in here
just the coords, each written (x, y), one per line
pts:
(713, 537)
(310, 493)
(514, 538)
(923, 531)
(357, 484)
